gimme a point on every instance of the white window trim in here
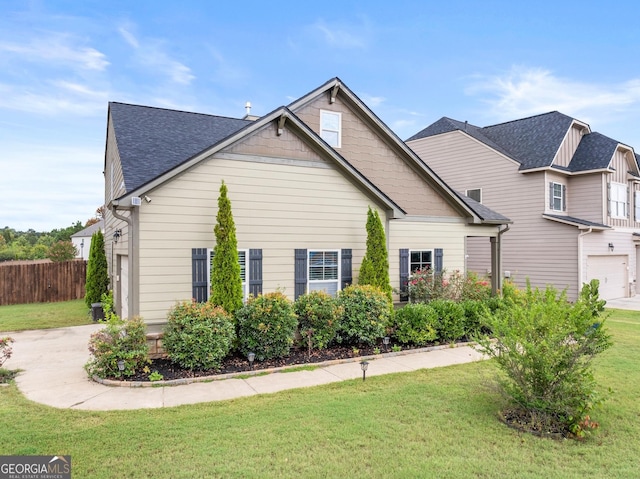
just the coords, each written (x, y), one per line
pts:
(561, 197)
(614, 186)
(324, 281)
(433, 258)
(338, 131)
(245, 283)
(474, 189)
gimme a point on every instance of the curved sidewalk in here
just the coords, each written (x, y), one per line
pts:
(52, 373)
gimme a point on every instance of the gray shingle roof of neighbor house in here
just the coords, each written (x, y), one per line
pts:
(89, 230)
(152, 141)
(533, 141)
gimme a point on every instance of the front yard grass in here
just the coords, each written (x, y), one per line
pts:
(431, 423)
(20, 317)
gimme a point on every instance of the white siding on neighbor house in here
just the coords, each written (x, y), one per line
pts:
(569, 146)
(541, 250)
(277, 207)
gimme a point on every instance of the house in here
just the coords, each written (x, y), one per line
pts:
(82, 239)
(573, 196)
(300, 180)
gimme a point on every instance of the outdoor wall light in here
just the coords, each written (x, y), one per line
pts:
(385, 341)
(251, 357)
(364, 365)
(116, 235)
(610, 247)
(121, 365)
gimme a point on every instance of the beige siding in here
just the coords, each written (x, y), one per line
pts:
(621, 164)
(597, 244)
(585, 197)
(569, 146)
(378, 161)
(277, 207)
(541, 250)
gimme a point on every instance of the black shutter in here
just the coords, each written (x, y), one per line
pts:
(609, 199)
(404, 274)
(438, 262)
(300, 267)
(564, 198)
(550, 195)
(346, 270)
(199, 278)
(255, 272)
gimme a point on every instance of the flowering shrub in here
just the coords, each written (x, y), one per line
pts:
(198, 335)
(318, 317)
(366, 314)
(427, 285)
(266, 326)
(5, 349)
(118, 341)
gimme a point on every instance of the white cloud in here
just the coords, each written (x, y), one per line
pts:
(57, 49)
(150, 53)
(526, 91)
(372, 101)
(53, 98)
(347, 36)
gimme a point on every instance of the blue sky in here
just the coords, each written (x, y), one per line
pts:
(412, 62)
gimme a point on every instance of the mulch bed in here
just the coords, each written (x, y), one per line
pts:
(238, 364)
(522, 421)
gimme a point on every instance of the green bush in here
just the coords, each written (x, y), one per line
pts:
(451, 320)
(266, 326)
(198, 335)
(415, 323)
(319, 314)
(475, 313)
(545, 345)
(365, 315)
(119, 340)
(97, 282)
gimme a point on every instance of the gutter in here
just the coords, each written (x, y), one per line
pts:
(130, 277)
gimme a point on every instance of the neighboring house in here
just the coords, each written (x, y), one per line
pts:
(572, 194)
(82, 239)
(300, 180)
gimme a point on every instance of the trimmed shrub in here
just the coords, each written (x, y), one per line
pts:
(365, 315)
(415, 323)
(545, 345)
(119, 340)
(266, 326)
(451, 320)
(475, 313)
(319, 314)
(198, 335)
(226, 281)
(97, 282)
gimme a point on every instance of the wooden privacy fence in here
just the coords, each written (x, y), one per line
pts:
(42, 282)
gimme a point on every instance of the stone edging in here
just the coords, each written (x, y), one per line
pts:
(256, 372)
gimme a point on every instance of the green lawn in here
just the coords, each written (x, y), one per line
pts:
(43, 315)
(432, 423)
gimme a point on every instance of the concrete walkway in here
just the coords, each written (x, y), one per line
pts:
(52, 373)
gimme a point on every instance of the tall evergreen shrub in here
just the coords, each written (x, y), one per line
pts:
(226, 282)
(375, 264)
(97, 282)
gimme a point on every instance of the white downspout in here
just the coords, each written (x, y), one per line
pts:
(580, 253)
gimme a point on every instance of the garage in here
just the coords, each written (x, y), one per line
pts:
(612, 272)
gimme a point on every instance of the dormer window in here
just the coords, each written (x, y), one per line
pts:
(557, 197)
(331, 127)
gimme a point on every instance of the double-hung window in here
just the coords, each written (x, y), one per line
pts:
(420, 259)
(557, 196)
(618, 200)
(324, 271)
(331, 127)
(243, 259)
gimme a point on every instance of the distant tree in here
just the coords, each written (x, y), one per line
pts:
(64, 234)
(62, 251)
(376, 260)
(100, 211)
(97, 281)
(226, 282)
(91, 221)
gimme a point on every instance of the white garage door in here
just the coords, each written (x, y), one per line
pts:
(612, 272)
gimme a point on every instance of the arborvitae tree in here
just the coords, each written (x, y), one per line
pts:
(97, 271)
(226, 282)
(375, 264)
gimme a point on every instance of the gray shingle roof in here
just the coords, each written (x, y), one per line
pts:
(89, 230)
(594, 152)
(577, 221)
(152, 141)
(485, 213)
